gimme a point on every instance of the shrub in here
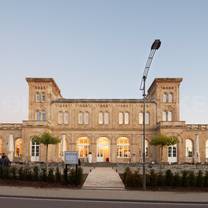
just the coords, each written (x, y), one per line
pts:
(75, 178)
(199, 179)
(152, 179)
(51, 177)
(65, 176)
(184, 178)
(13, 172)
(168, 178)
(43, 174)
(36, 173)
(160, 179)
(27, 174)
(5, 173)
(191, 179)
(176, 180)
(58, 175)
(127, 170)
(21, 173)
(205, 184)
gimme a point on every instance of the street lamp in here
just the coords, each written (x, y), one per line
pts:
(155, 46)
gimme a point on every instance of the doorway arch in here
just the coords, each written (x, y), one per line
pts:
(103, 149)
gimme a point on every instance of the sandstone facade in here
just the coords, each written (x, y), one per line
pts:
(110, 129)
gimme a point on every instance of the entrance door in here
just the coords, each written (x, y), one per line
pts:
(103, 149)
(35, 151)
(172, 154)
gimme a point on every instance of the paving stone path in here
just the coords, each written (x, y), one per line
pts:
(103, 178)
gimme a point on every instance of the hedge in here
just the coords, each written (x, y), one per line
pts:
(133, 179)
(69, 177)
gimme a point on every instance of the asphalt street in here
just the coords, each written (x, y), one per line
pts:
(11, 202)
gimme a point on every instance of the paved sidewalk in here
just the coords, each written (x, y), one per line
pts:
(120, 195)
(103, 178)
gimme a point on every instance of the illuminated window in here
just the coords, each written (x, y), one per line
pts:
(189, 148)
(18, 147)
(123, 147)
(83, 147)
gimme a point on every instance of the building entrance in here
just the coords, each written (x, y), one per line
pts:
(103, 149)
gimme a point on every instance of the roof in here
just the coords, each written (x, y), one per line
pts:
(64, 100)
(165, 80)
(34, 79)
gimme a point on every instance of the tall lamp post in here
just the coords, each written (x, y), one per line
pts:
(155, 46)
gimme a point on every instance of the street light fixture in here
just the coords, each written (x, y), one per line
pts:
(155, 46)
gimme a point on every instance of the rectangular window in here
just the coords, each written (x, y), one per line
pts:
(43, 116)
(147, 118)
(80, 118)
(60, 117)
(169, 116)
(66, 117)
(120, 118)
(106, 118)
(126, 118)
(86, 118)
(164, 116)
(100, 118)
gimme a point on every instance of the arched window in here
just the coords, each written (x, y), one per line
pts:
(206, 149)
(18, 147)
(147, 118)
(123, 147)
(165, 97)
(189, 148)
(1, 145)
(170, 97)
(83, 147)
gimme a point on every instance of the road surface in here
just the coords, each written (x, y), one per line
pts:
(21, 202)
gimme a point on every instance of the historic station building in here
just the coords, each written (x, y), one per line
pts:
(110, 129)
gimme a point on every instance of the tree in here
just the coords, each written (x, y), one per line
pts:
(163, 140)
(46, 138)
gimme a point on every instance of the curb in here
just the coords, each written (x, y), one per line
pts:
(104, 200)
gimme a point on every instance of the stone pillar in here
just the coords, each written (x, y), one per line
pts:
(113, 149)
(93, 148)
(10, 147)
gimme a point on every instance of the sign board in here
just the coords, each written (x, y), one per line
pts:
(70, 158)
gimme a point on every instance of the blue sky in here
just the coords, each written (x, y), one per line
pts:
(98, 49)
